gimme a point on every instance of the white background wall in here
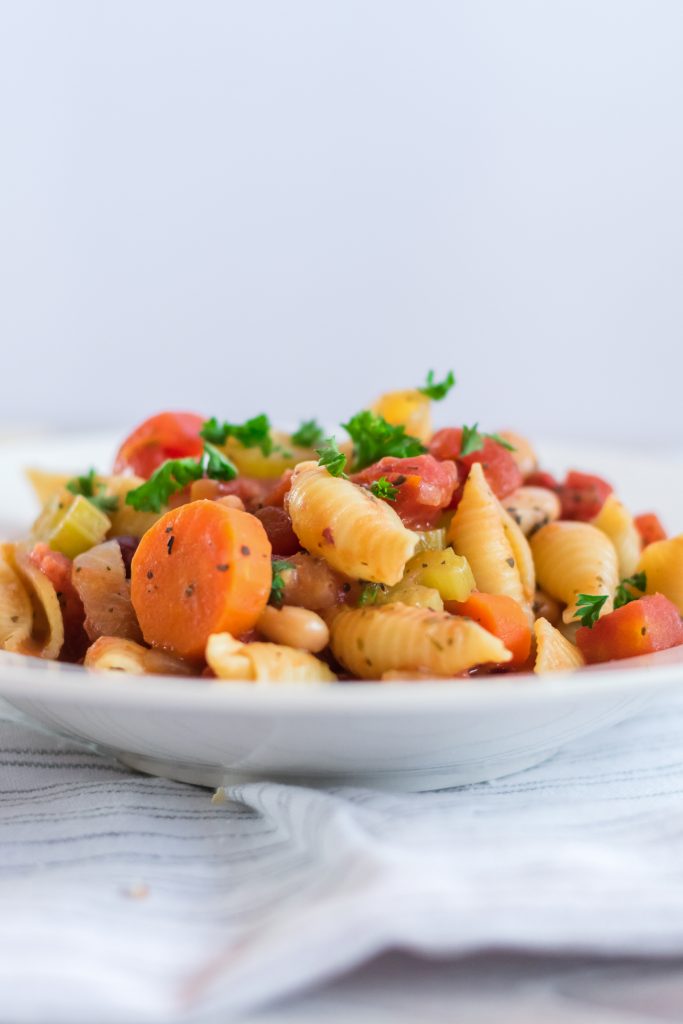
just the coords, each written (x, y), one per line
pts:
(235, 206)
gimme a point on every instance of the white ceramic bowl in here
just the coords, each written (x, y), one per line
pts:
(394, 735)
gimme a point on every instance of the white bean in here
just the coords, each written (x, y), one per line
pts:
(532, 507)
(294, 627)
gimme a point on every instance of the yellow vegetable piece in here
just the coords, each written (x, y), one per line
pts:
(413, 594)
(71, 525)
(431, 540)
(252, 461)
(410, 409)
(444, 571)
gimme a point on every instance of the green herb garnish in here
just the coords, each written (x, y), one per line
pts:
(473, 441)
(373, 439)
(309, 435)
(383, 488)
(331, 458)
(624, 593)
(89, 488)
(370, 593)
(253, 433)
(277, 588)
(588, 608)
(436, 390)
(175, 474)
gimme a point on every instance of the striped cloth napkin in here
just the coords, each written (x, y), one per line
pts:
(127, 898)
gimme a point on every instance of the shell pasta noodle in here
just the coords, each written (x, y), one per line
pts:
(386, 551)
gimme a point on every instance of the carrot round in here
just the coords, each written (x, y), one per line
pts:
(500, 615)
(201, 569)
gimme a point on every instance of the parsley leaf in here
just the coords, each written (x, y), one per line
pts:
(171, 476)
(331, 458)
(174, 474)
(309, 434)
(373, 439)
(624, 594)
(253, 433)
(437, 390)
(277, 588)
(473, 441)
(588, 608)
(89, 488)
(370, 593)
(218, 466)
(383, 488)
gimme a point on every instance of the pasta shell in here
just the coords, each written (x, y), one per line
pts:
(616, 521)
(47, 632)
(575, 558)
(114, 654)
(355, 532)
(263, 662)
(16, 611)
(492, 543)
(554, 653)
(372, 641)
(662, 563)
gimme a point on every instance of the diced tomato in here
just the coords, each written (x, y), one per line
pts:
(583, 495)
(650, 624)
(57, 568)
(425, 487)
(500, 469)
(168, 435)
(500, 615)
(650, 528)
(446, 443)
(278, 525)
(539, 478)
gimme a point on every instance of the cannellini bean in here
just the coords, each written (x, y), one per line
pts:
(294, 627)
(231, 501)
(524, 455)
(546, 607)
(532, 508)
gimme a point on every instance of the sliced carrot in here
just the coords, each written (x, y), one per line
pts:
(201, 569)
(500, 615)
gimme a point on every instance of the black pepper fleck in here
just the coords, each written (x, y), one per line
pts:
(189, 590)
(245, 550)
(223, 567)
(150, 575)
(510, 562)
(169, 546)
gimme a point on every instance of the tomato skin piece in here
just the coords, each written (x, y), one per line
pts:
(500, 469)
(650, 624)
(650, 528)
(425, 487)
(539, 478)
(200, 569)
(502, 616)
(582, 495)
(168, 435)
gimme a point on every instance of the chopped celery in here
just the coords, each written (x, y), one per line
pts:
(445, 571)
(431, 540)
(409, 592)
(71, 524)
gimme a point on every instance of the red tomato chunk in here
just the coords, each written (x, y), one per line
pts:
(539, 478)
(500, 469)
(583, 495)
(650, 528)
(425, 487)
(169, 435)
(642, 627)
